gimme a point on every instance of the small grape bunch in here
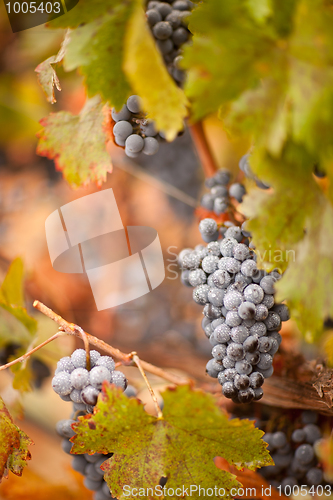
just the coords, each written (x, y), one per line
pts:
(219, 197)
(133, 130)
(73, 382)
(241, 319)
(88, 465)
(295, 456)
(168, 24)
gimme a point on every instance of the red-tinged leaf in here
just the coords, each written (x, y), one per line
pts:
(77, 143)
(180, 446)
(14, 444)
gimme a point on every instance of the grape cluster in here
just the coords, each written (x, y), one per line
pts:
(241, 318)
(73, 382)
(168, 24)
(218, 199)
(133, 130)
(246, 168)
(40, 371)
(295, 457)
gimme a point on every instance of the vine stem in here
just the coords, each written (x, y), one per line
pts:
(137, 361)
(205, 154)
(28, 353)
(127, 359)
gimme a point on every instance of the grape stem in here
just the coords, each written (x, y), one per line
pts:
(206, 156)
(72, 329)
(138, 363)
(28, 353)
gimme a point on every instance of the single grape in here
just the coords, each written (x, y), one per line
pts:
(256, 380)
(89, 395)
(265, 344)
(227, 246)
(248, 268)
(241, 252)
(243, 367)
(233, 319)
(241, 381)
(222, 333)
(211, 369)
(279, 439)
(197, 277)
(247, 310)
(123, 114)
(229, 390)
(79, 379)
(261, 312)
(268, 301)
(79, 358)
(210, 263)
(253, 357)
(239, 334)
(237, 191)
(97, 376)
(207, 201)
(273, 321)
(232, 300)
(213, 248)
(64, 428)
(304, 454)
(283, 311)
(200, 294)
(92, 485)
(216, 296)
(119, 379)
(165, 46)
(173, 19)
(75, 395)
(220, 205)
(134, 104)
(164, 8)
(265, 361)
(298, 436)
(246, 396)
(212, 312)
(65, 365)
(153, 17)
(122, 129)
(79, 464)
(191, 261)
(61, 383)
(312, 433)
(259, 328)
(235, 352)
(148, 128)
(253, 293)
(228, 362)
(221, 278)
(134, 143)
(150, 146)
(251, 344)
(267, 284)
(219, 352)
(314, 476)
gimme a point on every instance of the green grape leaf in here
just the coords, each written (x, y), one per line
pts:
(164, 102)
(308, 282)
(278, 216)
(180, 446)
(14, 443)
(46, 74)
(77, 143)
(96, 46)
(11, 296)
(259, 9)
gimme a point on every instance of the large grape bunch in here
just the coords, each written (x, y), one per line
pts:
(219, 197)
(133, 130)
(295, 455)
(73, 382)
(241, 319)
